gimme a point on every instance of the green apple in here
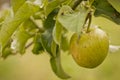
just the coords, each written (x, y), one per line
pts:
(90, 48)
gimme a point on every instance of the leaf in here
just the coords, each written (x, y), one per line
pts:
(60, 36)
(46, 37)
(38, 48)
(46, 40)
(57, 32)
(16, 4)
(51, 6)
(30, 27)
(19, 40)
(3, 15)
(57, 68)
(7, 52)
(48, 43)
(103, 8)
(64, 43)
(115, 4)
(91, 1)
(9, 26)
(22, 34)
(50, 22)
(32, 0)
(72, 21)
(54, 48)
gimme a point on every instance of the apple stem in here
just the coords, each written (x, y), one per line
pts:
(89, 16)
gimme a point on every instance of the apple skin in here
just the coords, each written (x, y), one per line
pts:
(90, 48)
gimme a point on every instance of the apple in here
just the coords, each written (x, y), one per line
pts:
(90, 48)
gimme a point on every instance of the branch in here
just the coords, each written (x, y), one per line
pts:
(27, 46)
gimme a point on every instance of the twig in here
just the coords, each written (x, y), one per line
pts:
(29, 45)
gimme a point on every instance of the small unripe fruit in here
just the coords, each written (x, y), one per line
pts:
(90, 48)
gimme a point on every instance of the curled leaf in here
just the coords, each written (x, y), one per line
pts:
(57, 68)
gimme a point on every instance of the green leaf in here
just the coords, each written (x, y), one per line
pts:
(46, 37)
(57, 67)
(50, 22)
(9, 26)
(91, 1)
(103, 8)
(72, 21)
(51, 6)
(7, 51)
(38, 48)
(21, 36)
(48, 43)
(54, 48)
(57, 32)
(32, 0)
(16, 4)
(64, 43)
(3, 15)
(46, 40)
(115, 4)
(30, 27)
(20, 39)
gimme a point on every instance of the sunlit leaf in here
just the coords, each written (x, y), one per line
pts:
(9, 26)
(71, 20)
(22, 34)
(51, 6)
(64, 43)
(16, 4)
(30, 26)
(115, 4)
(4, 14)
(19, 40)
(57, 32)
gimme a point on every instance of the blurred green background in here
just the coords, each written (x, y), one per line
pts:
(37, 67)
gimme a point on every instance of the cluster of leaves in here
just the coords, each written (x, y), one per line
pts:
(48, 23)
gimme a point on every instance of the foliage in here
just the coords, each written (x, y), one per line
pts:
(48, 23)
